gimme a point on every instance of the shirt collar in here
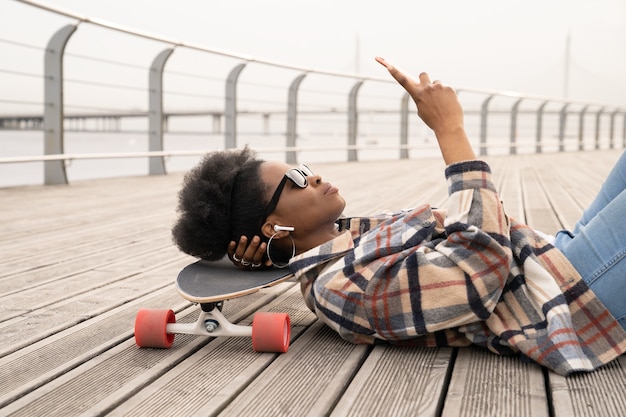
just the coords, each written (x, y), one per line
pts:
(322, 254)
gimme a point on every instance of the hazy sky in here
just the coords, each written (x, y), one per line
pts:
(517, 45)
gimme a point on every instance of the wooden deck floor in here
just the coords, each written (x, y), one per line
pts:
(79, 261)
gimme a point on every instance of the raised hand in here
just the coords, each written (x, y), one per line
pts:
(439, 107)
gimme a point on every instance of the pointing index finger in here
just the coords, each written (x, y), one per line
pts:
(414, 88)
(402, 79)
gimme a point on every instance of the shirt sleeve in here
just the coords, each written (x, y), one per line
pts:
(474, 258)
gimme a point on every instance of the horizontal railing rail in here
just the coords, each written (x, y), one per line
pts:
(523, 121)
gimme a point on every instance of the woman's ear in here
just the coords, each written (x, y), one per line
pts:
(270, 229)
(267, 229)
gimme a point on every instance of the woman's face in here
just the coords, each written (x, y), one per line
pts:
(307, 209)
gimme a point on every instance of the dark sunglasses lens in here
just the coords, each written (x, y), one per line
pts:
(297, 178)
(306, 170)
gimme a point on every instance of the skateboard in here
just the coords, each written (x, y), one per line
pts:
(210, 284)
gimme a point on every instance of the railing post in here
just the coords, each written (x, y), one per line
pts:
(513, 141)
(612, 130)
(266, 123)
(562, 124)
(597, 137)
(539, 131)
(292, 118)
(217, 123)
(624, 132)
(483, 125)
(156, 121)
(54, 171)
(404, 126)
(353, 118)
(581, 128)
(230, 108)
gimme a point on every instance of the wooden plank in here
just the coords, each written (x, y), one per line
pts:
(23, 260)
(43, 284)
(306, 381)
(398, 381)
(373, 187)
(539, 213)
(484, 384)
(507, 176)
(596, 394)
(572, 183)
(37, 324)
(75, 206)
(38, 363)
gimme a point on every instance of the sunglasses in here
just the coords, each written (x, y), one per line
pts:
(297, 176)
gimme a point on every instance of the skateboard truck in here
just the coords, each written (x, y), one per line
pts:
(270, 332)
(210, 324)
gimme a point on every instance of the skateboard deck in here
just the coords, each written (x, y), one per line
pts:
(212, 282)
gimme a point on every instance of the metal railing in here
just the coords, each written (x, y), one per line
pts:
(482, 116)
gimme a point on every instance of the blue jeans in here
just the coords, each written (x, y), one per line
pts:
(597, 246)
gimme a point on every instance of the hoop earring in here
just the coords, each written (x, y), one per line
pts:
(293, 251)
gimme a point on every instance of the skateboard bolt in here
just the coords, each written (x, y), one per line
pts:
(211, 325)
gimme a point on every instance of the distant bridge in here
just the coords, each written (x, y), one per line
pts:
(111, 122)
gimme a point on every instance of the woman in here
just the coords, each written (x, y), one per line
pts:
(465, 273)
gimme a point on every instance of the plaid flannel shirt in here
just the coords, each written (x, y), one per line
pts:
(465, 273)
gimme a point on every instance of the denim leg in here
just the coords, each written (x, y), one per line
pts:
(614, 184)
(597, 246)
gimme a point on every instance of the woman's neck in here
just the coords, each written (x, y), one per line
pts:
(310, 240)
